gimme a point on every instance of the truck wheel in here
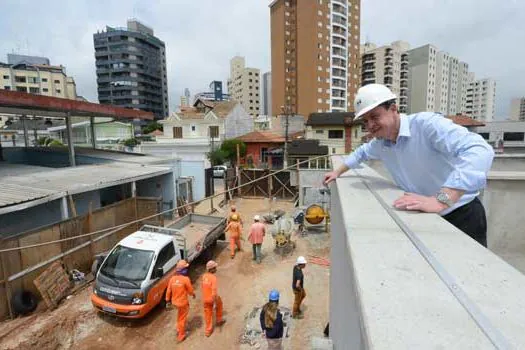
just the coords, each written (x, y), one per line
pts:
(23, 302)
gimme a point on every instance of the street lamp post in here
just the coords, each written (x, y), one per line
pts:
(286, 110)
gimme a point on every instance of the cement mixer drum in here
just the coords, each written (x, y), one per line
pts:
(315, 214)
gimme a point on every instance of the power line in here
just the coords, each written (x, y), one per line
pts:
(161, 213)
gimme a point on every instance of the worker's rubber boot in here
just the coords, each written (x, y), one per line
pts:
(221, 322)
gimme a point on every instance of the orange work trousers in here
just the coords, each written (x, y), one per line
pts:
(235, 242)
(182, 315)
(208, 314)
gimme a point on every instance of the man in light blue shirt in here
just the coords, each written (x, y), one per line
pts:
(441, 166)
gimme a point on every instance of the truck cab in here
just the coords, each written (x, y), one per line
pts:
(134, 276)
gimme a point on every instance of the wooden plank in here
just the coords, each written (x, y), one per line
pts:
(53, 284)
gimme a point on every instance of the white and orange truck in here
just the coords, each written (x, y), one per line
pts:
(133, 277)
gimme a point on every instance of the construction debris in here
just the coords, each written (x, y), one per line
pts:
(318, 260)
(53, 284)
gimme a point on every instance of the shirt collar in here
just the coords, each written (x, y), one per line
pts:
(404, 126)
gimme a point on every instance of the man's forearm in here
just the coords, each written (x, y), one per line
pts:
(453, 193)
(342, 169)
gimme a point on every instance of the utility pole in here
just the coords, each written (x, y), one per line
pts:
(286, 111)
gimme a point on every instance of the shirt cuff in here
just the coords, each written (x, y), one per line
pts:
(466, 180)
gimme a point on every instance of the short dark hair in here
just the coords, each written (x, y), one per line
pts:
(386, 105)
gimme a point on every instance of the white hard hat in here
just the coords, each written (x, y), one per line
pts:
(300, 260)
(257, 218)
(369, 97)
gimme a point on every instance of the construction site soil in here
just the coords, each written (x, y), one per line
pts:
(243, 285)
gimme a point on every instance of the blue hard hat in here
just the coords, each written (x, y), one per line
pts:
(274, 295)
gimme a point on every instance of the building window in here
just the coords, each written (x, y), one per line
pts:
(57, 81)
(59, 91)
(34, 90)
(21, 88)
(319, 131)
(32, 80)
(513, 136)
(193, 128)
(44, 80)
(177, 132)
(20, 79)
(264, 154)
(45, 90)
(333, 150)
(7, 87)
(214, 131)
(335, 134)
(6, 76)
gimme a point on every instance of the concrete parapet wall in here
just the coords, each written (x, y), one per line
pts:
(384, 293)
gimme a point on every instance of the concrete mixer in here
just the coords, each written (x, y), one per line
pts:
(281, 232)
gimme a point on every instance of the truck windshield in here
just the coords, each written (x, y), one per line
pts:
(127, 263)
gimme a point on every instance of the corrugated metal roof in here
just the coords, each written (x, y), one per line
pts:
(58, 182)
(13, 194)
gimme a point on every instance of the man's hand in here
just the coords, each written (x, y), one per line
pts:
(412, 201)
(329, 177)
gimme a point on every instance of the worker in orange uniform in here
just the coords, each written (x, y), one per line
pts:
(234, 228)
(210, 298)
(179, 287)
(234, 212)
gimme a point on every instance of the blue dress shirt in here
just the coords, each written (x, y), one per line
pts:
(431, 152)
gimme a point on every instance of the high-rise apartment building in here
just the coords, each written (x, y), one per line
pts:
(315, 55)
(438, 82)
(387, 65)
(131, 68)
(244, 85)
(35, 75)
(266, 94)
(481, 97)
(517, 109)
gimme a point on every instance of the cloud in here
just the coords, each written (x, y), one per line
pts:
(202, 36)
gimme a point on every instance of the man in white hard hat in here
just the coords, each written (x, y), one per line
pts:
(298, 287)
(441, 166)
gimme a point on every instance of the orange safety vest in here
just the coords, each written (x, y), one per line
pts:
(179, 287)
(234, 228)
(209, 288)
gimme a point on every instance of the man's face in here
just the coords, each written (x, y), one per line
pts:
(381, 123)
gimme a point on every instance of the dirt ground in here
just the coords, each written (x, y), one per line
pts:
(243, 285)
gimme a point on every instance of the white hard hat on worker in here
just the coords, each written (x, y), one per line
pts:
(376, 105)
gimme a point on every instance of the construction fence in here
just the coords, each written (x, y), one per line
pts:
(19, 268)
(257, 183)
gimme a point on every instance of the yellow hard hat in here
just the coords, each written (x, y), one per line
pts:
(234, 217)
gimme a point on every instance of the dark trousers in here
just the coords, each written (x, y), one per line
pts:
(256, 248)
(470, 219)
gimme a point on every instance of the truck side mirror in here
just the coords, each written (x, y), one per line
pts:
(158, 272)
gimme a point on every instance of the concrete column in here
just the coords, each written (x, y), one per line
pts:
(134, 189)
(26, 136)
(93, 135)
(69, 137)
(64, 211)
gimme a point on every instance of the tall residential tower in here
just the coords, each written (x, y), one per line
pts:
(131, 68)
(315, 55)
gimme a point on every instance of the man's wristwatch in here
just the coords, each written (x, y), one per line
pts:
(444, 198)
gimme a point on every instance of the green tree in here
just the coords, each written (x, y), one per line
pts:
(229, 147)
(152, 127)
(132, 142)
(216, 157)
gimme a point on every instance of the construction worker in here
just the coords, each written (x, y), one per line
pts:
(179, 287)
(442, 166)
(235, 231)
(211, 298)
(298, 287)
(256, 236)
(272, 322)
(234, 212)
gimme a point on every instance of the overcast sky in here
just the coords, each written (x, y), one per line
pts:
(201, 36)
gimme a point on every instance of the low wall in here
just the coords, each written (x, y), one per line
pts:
(13, 262)
(431, 288)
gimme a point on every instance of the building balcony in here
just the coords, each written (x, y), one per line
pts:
(337, 20)
(427, 283)
(341, 3)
